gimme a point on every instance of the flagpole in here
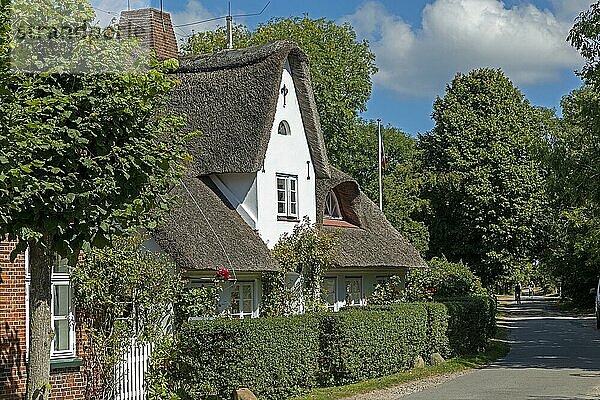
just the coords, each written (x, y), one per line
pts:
(380, 155)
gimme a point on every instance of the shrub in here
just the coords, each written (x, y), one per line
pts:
(122, 293)
(447, 279)
(308, 251)
(276, 358)
(471, 322)
(437, 329)
(362, 344)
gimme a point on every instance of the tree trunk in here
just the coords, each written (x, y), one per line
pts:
(40, 320)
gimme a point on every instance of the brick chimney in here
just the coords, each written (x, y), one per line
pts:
(153, 27)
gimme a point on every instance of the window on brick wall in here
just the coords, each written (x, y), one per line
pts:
(63, 315)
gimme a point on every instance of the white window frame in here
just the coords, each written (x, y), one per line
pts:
(242, 287)
(287, 191)
(332, 207)
(361, 290)
(58, 279)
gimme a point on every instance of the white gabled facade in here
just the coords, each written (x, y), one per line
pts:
(256, 197)
(287, 156)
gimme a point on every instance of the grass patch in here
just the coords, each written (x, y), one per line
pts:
(497, 348)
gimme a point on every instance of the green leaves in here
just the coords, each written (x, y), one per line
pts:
(487, 190)
(122, 292)
(279, 358)
(309, 252)
(94, 153)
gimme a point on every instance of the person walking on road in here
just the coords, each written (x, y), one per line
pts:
(531, 289)
(518, 292)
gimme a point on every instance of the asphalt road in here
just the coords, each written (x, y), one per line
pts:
(553, 356)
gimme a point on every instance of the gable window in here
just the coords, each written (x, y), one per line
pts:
(242, 298)
(284, 128)
(62, 312)
(332, 206)
(287, 196)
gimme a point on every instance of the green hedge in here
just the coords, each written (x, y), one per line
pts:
(277, 358)
(471, 322)
(437, 334)
(362, 344)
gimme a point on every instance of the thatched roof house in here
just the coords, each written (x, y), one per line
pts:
(259, 166)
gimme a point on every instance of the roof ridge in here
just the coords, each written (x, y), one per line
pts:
(234, 58)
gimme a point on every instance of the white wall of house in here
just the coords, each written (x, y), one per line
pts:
(240, 190)
(289, 155)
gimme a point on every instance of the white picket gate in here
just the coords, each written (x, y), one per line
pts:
(130, 373)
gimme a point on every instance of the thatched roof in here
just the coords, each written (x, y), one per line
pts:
(231, 97)
(194, 244)
(374, 242)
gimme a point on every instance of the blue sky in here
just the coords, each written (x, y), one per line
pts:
(421, 44)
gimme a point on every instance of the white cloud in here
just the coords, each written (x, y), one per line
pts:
(194, 11)
(106, 10)
(459, 35)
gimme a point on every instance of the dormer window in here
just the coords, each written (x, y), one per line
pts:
(332, 206)
(284, 128)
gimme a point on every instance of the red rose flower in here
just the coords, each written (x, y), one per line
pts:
(223, 273)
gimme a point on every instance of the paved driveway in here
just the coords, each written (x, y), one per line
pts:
(553, 357)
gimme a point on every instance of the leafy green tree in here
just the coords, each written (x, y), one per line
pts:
(572, 255)
(216, 40)
(82, 156)
(123, 293)
(308, 252)
(486, 188)
(340, 66)
(403, 179)
(584, 37)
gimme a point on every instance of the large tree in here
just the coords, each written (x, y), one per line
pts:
(572, 255)
(486, 189)
(340, 66)
(82, 155)
(574, 168)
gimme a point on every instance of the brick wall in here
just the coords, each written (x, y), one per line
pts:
(154, 29)
(67, 383)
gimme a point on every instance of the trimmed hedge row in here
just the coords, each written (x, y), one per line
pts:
(358, 344)
(277, 357)
(282, 357)
(471, 322)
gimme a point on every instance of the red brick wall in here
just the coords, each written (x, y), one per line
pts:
(154, 29)
(66, 383)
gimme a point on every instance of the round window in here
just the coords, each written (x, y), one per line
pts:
(284, 128)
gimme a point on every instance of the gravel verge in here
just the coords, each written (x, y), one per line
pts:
(409, 387)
